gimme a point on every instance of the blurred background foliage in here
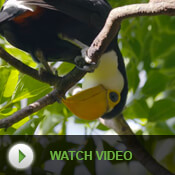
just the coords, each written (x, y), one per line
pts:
(147, 44)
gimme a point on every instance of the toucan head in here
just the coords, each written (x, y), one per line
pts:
(104, 91)
(93, 103)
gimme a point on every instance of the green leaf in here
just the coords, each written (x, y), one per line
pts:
(160, 48)
(49, 122)
(28, 127)
(165, 24)
(21, 55)
(11, 83)
(159, 128)
(133, 75)
(28, 87)
(137, 109)
(120, 2)
(65, 68)
(102, 127)
(7, 111)
(168, 60)
(81, 121)
(9, 131)
(162, 110)
(156, 83)
(4, 74)
(21, 123)
(1, 3)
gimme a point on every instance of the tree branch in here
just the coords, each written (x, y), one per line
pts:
(120, 126)
(45, 77)
(32, 108)
(112, 25)
(65, 84)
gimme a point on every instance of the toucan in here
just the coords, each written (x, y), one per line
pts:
(58, 30)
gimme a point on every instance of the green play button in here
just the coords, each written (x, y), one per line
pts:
(21, 156)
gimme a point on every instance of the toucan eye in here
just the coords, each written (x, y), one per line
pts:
(113, 96)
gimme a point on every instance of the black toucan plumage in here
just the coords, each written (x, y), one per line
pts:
(48, 24)
(58, 29)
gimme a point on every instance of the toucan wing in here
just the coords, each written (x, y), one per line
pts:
(76, 19)
(91, 12)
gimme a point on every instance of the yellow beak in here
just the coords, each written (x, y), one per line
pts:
(92, 103)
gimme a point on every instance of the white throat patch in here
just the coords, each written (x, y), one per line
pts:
(107, 74)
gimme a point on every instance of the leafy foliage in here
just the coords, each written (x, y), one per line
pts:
(147, 44)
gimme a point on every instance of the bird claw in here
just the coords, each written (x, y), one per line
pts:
(40, 56)
(84, 63)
